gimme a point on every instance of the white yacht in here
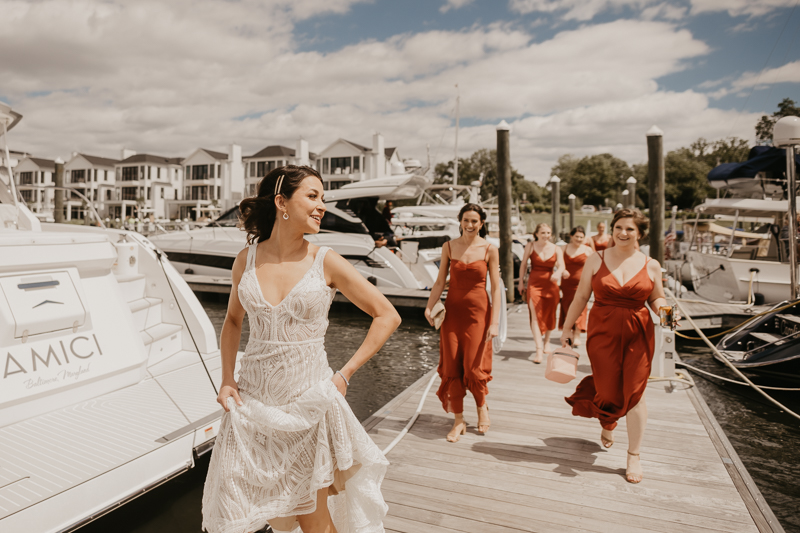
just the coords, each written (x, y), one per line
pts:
(349, 227)
(107, 360)
(742, 267)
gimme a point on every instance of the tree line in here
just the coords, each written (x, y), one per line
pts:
(600, 179)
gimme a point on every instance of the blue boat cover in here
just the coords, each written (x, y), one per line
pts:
(760, 159)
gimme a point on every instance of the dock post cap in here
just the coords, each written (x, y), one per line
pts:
(503, 126)
(571, 196)
(630, 180)
(655, 131)
(786, 132)
(555, 179)
(625, 192)
(58, 161)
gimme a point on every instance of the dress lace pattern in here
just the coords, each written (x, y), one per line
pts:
(295, 433)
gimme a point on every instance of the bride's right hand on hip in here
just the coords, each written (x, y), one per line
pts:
(229, 391)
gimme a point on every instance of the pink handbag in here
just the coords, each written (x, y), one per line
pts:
(562, 365)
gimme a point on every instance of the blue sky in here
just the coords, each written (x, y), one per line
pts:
(571, 76)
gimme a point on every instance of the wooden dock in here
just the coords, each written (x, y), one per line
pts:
(541, 469)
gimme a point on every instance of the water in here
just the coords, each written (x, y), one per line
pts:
(412, 351)
(766, 439)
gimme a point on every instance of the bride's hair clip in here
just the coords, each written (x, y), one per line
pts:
(278, 185)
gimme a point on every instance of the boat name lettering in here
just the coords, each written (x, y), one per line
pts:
(64, 375)
(80, 347)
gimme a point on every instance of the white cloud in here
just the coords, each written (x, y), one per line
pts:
(788, 73)
(575, 9)
(740, 7)
(166, 78)
(454, 4)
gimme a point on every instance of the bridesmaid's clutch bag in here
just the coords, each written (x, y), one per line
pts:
(437, 314)
(562, 365)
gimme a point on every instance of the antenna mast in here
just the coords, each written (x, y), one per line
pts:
(455, 162)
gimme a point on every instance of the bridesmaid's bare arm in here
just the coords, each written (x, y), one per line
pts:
(657, 298)
(498, 298)
(560, 266)
(581, 298)
(339, 273)
(523, 268)
(438, 285)
(231, 335)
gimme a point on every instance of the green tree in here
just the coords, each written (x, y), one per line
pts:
(728, 150)
(484, 163)
(786, 108)
(592, 179)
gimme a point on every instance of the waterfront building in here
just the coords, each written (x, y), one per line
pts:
(144, 184)
(344, 162)
(271, 157)
(93, 177)
(212, 182)
(32, 176)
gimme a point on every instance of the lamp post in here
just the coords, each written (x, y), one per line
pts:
(555, 193)
(631, 192)
(571, 211)
(625, 201)
(786, 133)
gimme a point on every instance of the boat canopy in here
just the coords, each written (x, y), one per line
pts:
(760, 159)
(722, 230)
(745, 207)
(395, 187)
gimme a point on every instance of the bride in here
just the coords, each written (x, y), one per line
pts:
(290, 452)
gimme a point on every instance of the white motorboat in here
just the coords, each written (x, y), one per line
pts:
(349, 227)
(743, 267)
(107, 360)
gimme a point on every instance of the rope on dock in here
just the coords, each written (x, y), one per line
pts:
(729, 380)
(402, 434)
(725, 359)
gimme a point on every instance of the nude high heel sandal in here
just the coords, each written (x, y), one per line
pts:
(631, 477)
(455, 434)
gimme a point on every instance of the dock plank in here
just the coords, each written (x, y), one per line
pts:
(541, 469)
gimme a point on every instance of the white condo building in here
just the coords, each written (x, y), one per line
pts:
(34, 177)
(212, 182)
(267, 159)
(144, 184)
(94, 178)
(344, 162)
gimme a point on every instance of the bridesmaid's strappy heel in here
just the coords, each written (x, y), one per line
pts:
(607, 443)
(454, 434)
(631, 477)
(483, 429)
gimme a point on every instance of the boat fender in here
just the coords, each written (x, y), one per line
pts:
(758, 298)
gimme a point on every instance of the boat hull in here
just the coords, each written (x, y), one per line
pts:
(723, 279)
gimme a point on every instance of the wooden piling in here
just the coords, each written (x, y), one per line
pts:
(656, 178)
(58, 206)
(504, 207)
(555, 193)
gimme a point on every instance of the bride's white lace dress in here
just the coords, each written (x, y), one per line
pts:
(295, 433)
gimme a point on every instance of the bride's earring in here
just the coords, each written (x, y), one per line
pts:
(286, 216)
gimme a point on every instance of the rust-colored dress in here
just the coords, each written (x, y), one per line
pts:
(600, 246)
(569, 287)
(542, 292)
(465, 358)
(620, 344)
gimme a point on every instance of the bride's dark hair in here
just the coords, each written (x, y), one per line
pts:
(257, 213)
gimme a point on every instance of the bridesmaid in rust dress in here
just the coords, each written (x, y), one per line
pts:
(621, 337)
(547, 265)
(575, 255)
(602, 240)
(470, 322)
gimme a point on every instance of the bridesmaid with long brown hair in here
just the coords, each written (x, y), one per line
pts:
(621, 338)
(575, 255)
(470, 322)
(547, 265)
